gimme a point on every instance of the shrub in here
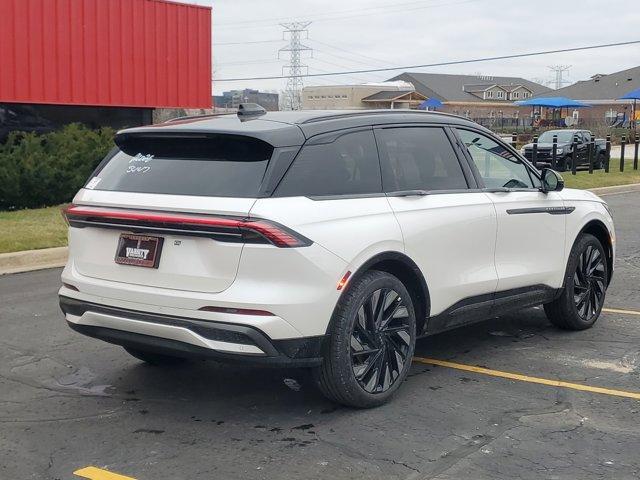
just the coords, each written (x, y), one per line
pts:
(43, 170)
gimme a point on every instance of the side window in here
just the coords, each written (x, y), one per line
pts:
(347, 166)
(497, 166)
(418, 158)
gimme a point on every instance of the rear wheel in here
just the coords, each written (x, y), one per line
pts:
(154, 358)
(580, 303)
(371, 343)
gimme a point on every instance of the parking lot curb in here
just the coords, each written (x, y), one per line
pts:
(632, 187)
(16, 262)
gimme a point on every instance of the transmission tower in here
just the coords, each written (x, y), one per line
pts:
(559, 70)
(295, 69)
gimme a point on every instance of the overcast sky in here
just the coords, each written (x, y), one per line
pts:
(355, 34)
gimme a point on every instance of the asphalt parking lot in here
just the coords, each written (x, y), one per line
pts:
(68, 402)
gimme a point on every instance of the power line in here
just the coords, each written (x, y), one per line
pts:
(350, 52)
(250, 62)
(440, 64)
(342, 57)
(327, 80)
(215, 44)
(358, 79)
(319, 16)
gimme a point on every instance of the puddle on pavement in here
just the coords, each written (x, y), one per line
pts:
(80, 380)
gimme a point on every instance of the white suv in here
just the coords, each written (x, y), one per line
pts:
(329, 240)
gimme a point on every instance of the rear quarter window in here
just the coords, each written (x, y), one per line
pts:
(348, 165)
(212, 165)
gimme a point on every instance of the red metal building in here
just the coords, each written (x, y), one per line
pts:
(107, 53)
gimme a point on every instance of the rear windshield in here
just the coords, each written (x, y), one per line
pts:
(212, 165)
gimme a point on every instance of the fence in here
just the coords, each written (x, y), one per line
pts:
(591, 152)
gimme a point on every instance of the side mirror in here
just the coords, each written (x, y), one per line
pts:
(551, 181)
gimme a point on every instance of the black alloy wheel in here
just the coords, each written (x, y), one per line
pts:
(585, 284)
(589, 283)
(380, 340)
(370, 343)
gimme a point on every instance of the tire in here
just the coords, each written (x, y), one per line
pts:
(152, 358)
(585, 285)
(563, 164)
(366, 360)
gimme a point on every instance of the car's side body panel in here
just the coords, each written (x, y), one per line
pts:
(530, 239)
(451, 237)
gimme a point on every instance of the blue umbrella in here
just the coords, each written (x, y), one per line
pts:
(552, 102)
(632, 95)
(430, 103)
(635, 96)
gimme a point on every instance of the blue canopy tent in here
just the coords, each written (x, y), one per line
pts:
(635, 96)
(552, 102)
(556, 103)
(430, 103)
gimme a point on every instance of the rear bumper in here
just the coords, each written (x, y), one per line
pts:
(188, 337)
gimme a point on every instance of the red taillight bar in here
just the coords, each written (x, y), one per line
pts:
(275, 233)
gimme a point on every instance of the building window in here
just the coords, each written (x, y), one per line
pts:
(488, 94)
(500, 94)
(515, 95)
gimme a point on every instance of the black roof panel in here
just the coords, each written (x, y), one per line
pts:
(289, 128)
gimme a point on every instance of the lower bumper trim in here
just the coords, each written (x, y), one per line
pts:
(246, 340)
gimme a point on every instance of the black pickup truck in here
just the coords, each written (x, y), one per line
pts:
(565, 149)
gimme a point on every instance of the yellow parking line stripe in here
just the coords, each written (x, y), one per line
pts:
(95, 473)
(526, 378)
(619, 310)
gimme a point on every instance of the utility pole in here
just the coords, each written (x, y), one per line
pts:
(559, 70)
(295, 30)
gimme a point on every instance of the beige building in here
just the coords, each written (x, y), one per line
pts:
(397, 94)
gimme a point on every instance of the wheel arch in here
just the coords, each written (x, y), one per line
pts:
(406, 270)
(598, 229)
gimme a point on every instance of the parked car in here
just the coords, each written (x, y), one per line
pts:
(565, 149)
(328, 240)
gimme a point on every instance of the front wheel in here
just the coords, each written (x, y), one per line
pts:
(371, 342)
(563, 164)
(585, 285)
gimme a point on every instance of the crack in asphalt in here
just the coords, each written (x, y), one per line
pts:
(514, 417)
